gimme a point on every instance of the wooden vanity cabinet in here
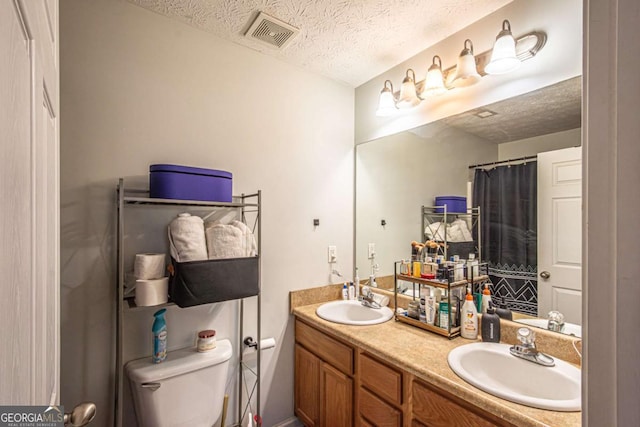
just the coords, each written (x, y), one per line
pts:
(307, 387)
(324, 369)
(433, 407)
(339, 385)
(380, 392)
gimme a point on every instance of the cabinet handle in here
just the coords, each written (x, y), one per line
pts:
(152, 386)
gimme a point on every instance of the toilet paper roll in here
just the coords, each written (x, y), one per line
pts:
(152, 291)
(149, 266)
(265, 344)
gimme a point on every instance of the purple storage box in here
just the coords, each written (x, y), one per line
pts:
(187, 183)
(454, 204)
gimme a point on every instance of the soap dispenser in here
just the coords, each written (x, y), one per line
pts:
(490, 326)
(503, 311)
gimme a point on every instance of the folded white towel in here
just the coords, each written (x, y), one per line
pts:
(187, 240)
(250, 247)
(435, 231)
(465, 234)
(224, 241)
(233, 240)
(457, 231)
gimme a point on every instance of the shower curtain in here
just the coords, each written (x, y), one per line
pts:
(507, 196)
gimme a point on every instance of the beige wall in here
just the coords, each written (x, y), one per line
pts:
(539, 144)
(139, 88)
(398, 174)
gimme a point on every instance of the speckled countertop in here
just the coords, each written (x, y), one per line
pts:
(424, 354)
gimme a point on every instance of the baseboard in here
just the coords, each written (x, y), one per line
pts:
(291, 422)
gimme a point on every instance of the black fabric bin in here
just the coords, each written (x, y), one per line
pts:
(216, 280)
(462, 249)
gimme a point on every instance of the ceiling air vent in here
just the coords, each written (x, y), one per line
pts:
(271, 31)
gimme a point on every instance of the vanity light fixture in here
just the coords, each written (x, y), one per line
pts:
(466, 70)
(387, 101)
(503, 56)
(408, 94)
(506, 55)
(434, 81)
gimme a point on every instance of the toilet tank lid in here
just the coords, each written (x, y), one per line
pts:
(178, 362)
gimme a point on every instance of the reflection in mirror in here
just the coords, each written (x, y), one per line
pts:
(397, 174)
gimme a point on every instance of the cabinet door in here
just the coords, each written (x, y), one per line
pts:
(377, 411)
(336, 398)
(307, 387)
(435, 408)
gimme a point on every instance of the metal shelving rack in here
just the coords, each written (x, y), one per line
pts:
(448, 286)
(247, 204)
(438, 214)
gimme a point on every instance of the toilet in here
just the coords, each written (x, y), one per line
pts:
(187, 389)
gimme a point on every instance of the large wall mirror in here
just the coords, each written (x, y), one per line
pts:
(530, 169)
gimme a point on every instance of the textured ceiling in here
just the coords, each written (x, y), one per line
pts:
(347, 40)
(552, 109)
(548, 110)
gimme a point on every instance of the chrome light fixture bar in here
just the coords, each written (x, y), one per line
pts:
(526, 47)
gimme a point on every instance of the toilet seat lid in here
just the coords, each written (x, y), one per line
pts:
(178, 362)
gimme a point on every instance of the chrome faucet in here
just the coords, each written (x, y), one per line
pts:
(527, 348)
(366, 298)
(555, 321)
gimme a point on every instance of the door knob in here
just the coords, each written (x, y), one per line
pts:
(81, 415)
(545, 274)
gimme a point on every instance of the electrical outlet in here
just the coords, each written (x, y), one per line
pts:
(332, 254)
(372, 251)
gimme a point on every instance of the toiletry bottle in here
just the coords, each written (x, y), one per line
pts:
(469, 318)
(416, 268)
(159, 330)
(404, 268)
(503, 311)
(438, 270)
(430, 307)
(472, 267)
(345, 291)
(352, 291)
(486, 298)
(490, 326)
(454, 308)
(423, 309)
(444, 315)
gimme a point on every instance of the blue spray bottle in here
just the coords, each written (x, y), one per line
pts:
(159, 330)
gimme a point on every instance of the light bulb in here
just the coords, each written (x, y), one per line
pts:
(503, 55)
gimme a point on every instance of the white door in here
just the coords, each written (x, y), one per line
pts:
(29, 223)
(560, 233)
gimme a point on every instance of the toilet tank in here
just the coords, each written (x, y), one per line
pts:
(187, 389)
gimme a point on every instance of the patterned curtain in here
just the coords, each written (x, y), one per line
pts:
(507, 196)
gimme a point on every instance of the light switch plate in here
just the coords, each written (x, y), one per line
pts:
(372, 251)
(332, 254)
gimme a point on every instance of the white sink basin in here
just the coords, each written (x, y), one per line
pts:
(490, 367)
(353, 313)
(569, 328)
